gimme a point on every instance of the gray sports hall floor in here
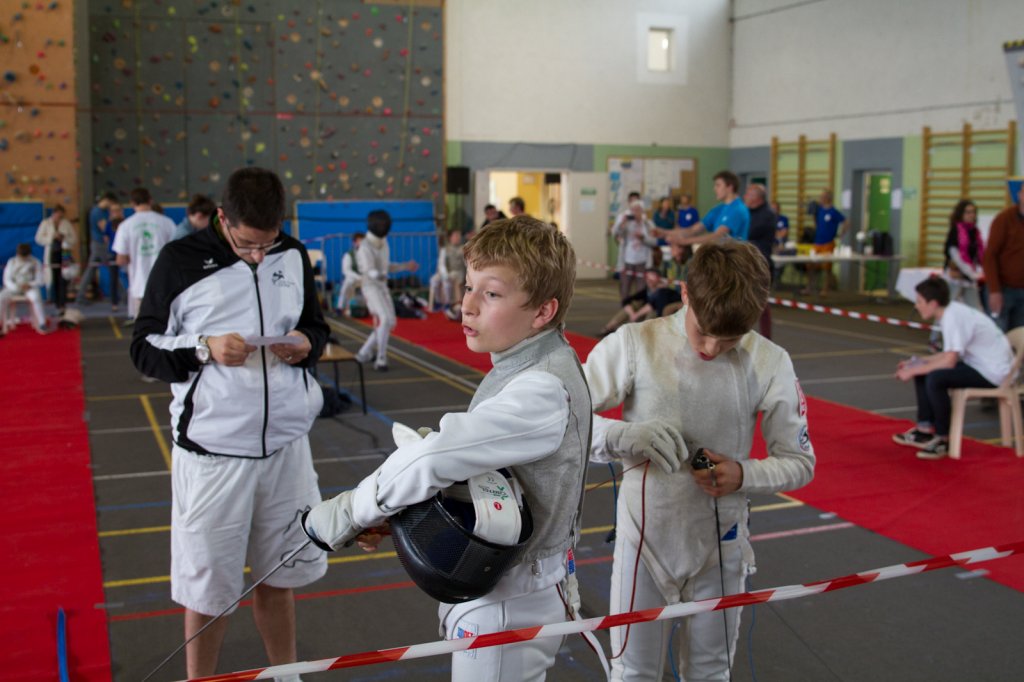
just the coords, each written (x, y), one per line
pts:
(936, 626)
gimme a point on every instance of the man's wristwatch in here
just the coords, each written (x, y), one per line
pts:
(203, 350)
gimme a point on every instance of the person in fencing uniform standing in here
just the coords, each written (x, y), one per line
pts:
(532, 414)
(374, 260)
(704, 374)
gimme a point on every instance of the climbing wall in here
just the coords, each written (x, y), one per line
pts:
(37, 103)
(342, 98)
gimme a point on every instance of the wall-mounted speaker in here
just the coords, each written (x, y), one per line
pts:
(552, 178)
(457, 179)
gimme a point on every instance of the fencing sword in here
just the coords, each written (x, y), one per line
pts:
(230, 606)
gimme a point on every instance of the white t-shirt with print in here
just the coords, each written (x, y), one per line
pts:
(140, 237)
(978, 341)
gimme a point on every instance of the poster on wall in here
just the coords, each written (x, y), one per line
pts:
(652, 178)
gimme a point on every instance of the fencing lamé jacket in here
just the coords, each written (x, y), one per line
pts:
(650, 369)
(199, 286)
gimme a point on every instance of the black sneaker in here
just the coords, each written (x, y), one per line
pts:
(915, 438)
(380, 366)
(937, 450)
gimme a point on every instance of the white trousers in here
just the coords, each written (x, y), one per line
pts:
(524, 662)
(380, 305)
(700, 649)
(226, 510)
(348, 290)
(35, 304)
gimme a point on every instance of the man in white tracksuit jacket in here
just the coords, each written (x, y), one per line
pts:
(703, 373)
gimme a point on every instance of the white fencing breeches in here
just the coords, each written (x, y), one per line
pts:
(701, 650)
(379, 302)
(523, 662)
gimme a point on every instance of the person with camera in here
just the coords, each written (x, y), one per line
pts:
(698, 379)
(635, 233)
(975, 354)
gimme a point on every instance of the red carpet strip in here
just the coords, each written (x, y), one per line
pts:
(48, 534)
(937, 507)
(862, 476)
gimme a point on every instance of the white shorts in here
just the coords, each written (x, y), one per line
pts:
(227, 508)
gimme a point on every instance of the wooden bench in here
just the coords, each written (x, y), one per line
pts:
(335, 354)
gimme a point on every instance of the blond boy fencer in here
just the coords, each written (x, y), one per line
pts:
(374, 260)
(532, 414)
(702, 373)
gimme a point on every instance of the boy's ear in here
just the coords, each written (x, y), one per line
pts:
(686, 298)
(545, 313)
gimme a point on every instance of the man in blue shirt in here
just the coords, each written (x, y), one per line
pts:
(781, 226)
(829, 224)
(687, 214)
(99, 251)
(197, 216)
(730, 218)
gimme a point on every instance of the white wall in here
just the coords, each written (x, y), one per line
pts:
(564, 71)
(870, 68)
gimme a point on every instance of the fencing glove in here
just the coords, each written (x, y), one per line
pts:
(653, 440)
(403, 435)
(329, 524)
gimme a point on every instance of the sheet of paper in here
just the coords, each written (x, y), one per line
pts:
(270, 340)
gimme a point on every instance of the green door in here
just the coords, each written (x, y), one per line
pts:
(878, 205)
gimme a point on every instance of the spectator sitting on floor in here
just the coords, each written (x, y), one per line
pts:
(648, 303)
(674, 271)
(23, 276)
(975, 354)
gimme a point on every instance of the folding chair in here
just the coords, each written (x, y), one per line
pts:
(1011, 428)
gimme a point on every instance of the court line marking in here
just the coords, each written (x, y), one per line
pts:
(124, 429)
(586, 561)
(157, 431)
(370, 556)
(843, 380)
(323, 460)
(900, 350)
(115, 327)
(127, 396)
(842, 332)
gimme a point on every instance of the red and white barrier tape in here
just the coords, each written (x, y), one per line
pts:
(788, 303)
(589, 625)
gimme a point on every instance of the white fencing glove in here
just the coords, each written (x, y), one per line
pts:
(329, 524)
(403, 435)
(653, 440)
